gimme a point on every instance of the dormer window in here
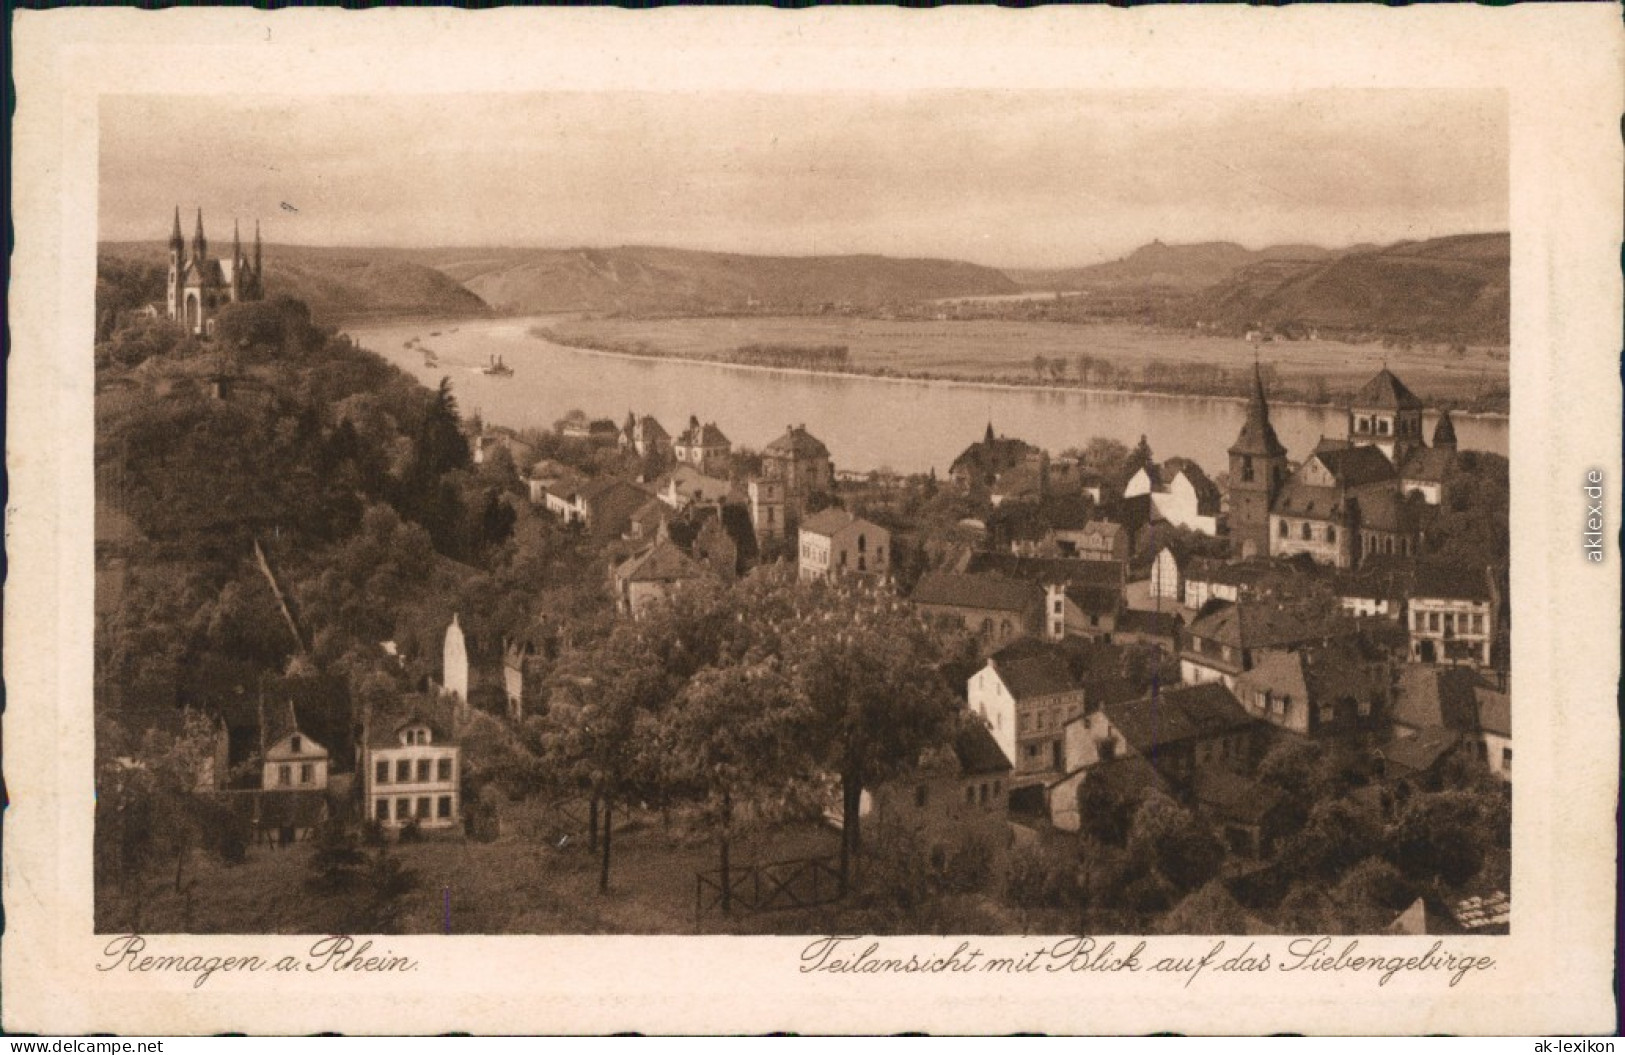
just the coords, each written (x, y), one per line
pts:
(294, 743)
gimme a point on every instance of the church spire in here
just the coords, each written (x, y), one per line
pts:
(988, 439)
(256, 250)
(1444, 433)
(200, 245)
(177, 244)
(236, 243)
(1257, 434)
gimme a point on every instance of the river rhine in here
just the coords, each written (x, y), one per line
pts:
(867, 422)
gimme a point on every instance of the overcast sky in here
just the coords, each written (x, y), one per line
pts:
(1008, 180)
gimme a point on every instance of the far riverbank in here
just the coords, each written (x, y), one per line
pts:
(1119, 359)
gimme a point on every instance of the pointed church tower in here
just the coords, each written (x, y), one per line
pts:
(177, 244)
(259, 276)
(988, 438)
(236, 262)
(1444, 433)
(200, 245)
(1257, 472)
(177, 251)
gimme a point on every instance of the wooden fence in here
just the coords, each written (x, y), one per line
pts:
(801, 882)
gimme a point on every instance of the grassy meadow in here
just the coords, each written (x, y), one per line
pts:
(1004, 350)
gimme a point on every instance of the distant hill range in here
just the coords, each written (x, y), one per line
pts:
(643, 278)
(341, 284)
(1456, 288)
(1180, 267)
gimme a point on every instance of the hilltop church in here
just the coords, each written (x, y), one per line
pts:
(198, 286)
(1369, 493)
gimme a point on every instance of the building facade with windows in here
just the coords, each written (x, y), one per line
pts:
(1451, 616)
(295, 763)
(411, 770)
(1026, 695)
(835, 543)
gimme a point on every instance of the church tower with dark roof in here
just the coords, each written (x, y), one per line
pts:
(199, 286)
(1386, 415)
(1257, 473)
(1444, 433)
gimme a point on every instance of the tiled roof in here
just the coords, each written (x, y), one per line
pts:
(1429, 697)
(1315, 675)
(1031, 675)
(989, 592)
(1261, 624)
(1129, 776)
(1356, 466)
(1303, 500)
(1094, 600)
(384, 729)
(1384, 509)
(1190, 712)
(1159, 624)
(707, 435)
(1257, 572)
(1277, 672)
(978, 752)
(1420, 753)
(1428, 464)
(797, 442)
(1380, 577)
(1387, 392)
(1106, 689)
(1494, 710)
(828, 522)
(611, 504)
(1451, 582)
(1050, 571)
(662, 562)
(995, 455)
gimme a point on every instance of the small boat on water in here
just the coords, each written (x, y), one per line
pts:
(435, 333)
(430, 359)
(496, 368)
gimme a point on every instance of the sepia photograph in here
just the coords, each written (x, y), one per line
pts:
(728, 513)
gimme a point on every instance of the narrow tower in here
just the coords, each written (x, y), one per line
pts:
(200, 245)
(1257, 471)
(237, 260)
(1444, 433)
(177, 251)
